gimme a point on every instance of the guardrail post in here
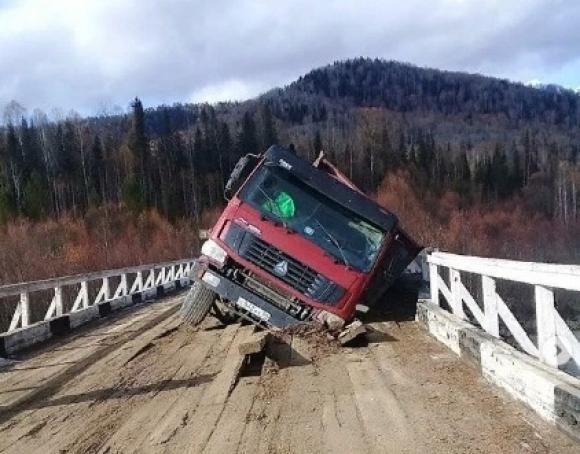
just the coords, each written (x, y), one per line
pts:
(454, 285)
(490, 306)
(150, 281)
(21, 313)
(106, 289)
(434, 283)
(546, 325)
(122, 288)
(105, 292)
(82, 297)
(25, 307)
(58, 301)
(139, 280)
(85, 294)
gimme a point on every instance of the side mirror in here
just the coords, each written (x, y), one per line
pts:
(239, 175)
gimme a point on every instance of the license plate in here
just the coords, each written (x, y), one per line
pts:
(253, 309)
(211, 279)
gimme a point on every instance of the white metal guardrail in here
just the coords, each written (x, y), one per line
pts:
(556, 343)
(132, 280)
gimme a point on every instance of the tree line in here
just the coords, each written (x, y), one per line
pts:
(51, 168)
(483, 138)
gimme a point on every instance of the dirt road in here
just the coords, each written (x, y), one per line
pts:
(141, 383)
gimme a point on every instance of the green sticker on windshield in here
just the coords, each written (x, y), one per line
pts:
(282, 206)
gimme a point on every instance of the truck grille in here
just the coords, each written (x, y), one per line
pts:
(267, 257)
(279, 264)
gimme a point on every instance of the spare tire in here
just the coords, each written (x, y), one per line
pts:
(197, 303)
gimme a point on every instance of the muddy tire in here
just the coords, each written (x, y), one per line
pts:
(196, 304)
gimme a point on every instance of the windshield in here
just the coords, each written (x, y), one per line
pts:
(281, 197)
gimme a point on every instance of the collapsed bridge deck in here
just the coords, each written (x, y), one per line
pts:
(140, 382)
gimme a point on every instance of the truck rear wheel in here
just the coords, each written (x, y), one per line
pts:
(197, 303)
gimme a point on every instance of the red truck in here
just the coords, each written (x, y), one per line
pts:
(297, 243)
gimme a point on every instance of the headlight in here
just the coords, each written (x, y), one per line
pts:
(214, 252)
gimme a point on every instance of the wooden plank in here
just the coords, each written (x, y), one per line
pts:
(490, 306)
(558, 276)
(515, 328)
(434, 283)
(456, 302)
(455, 259)
(41, 377)
(351, 332)
(444, 289)
(380, 411)
(471, 304)
(82, 297)
(137, 283)
(567, 339)
(546, 325)
(160, 419)
(214, 399)
(230, 428)
(255, 343)
(16, 317)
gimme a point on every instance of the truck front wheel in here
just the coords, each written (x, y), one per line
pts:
(197, 303)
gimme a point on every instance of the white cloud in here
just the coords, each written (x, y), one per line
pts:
(81, 54)
(230, 90)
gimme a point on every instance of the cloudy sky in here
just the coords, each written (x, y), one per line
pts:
(91, 54)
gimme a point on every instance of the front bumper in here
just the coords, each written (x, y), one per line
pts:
(247, 304)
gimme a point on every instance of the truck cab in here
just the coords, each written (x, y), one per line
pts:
(297, 243)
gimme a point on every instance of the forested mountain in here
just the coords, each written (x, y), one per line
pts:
(485, 139)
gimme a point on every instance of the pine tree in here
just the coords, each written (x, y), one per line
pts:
(247, 139)
(35, 199)
(138, 180)
(7, 205)
(500, 173)
(97, 172)
(269, 133)
(517, 175)
(226, 150)
(133, 195)
(32, 153)
(462, 181)
(317, 145)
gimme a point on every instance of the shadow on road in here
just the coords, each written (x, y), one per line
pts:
(399, 303)
(120, 392)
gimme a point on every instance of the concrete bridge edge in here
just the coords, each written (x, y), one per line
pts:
(552, 394)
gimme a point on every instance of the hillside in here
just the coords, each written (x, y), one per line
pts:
(404, 88)
(441, 148)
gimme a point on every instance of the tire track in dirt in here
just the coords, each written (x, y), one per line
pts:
(79, 392)
(58, 381)
(154, 424)
(40, 364)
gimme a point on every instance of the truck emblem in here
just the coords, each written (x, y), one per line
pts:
(281, 268)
